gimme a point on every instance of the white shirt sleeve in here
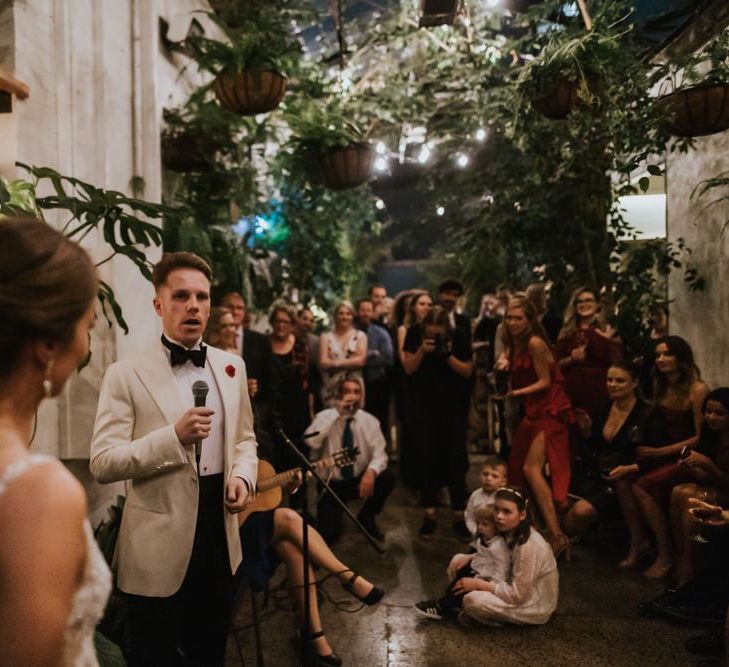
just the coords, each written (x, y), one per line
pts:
(376, 444)
(469, 514)
(528, 565)
(323, 422)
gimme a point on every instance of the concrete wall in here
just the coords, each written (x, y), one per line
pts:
(701, 317)
(99, 78)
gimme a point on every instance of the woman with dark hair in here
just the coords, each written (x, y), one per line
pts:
(608, 466)
(679, 397)
(542, 435)
(54, 582)
(435, 358)
(585, 348)
(289, 382)
(529, 596)
(708, 465)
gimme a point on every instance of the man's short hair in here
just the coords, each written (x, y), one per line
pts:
(494, 461)
(365, 299)
(375, 286)
(349, 378)
(171, 261)
(451, 285)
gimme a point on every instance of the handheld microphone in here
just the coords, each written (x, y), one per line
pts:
(199, 392)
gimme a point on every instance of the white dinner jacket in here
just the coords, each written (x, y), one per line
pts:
(134, 440)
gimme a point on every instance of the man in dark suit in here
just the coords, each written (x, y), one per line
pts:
(449, 291)
(256, 351)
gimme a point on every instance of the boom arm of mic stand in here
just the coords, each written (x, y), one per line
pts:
(308, 467)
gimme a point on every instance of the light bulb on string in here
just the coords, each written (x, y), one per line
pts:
(380, 164)
(380, 148)
(379, 204)
(462, 160)
(439, 211)
(480, 134)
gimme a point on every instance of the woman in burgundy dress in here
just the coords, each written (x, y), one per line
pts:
(542, 436)
(679, 396)
(585, 349)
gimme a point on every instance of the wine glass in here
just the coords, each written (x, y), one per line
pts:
(708, 496)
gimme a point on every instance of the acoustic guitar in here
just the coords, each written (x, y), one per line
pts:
(268, 489)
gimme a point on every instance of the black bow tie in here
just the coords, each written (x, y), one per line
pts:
(179, 355)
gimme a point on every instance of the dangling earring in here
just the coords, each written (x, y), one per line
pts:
(47, 383)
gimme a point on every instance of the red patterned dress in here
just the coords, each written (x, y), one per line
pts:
(549, 412)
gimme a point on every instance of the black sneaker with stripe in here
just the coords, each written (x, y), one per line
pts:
(430, 609)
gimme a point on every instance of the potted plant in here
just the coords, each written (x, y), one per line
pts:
(699, 105)
(249, 65)
(330, 147)
(570, 70)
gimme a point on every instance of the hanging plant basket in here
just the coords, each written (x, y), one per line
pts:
(347, 167)
(559, 101)
(697, 111)
(438, 12)
(250, 92)
(187, 152)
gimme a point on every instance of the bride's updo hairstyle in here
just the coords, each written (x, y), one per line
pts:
(47, 283)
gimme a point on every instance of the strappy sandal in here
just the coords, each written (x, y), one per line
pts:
(331, 660)
(372, 598)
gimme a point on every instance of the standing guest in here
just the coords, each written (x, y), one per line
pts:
(679, 396)
(290, 383)
(437, 359)
(609, 467)
(378, 296)
(54, 582)
(585, 348)
(305, 329)
(492, 477)
(379, 362)
(537, 294)
(256, 351)
(342, 351)
(221, 330)
(347, 426)
(449, 292)
(542, 435)
(484, 335)
(178, 544)
(529, 596)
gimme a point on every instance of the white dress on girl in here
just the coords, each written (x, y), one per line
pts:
(528, 597)
(90, 598)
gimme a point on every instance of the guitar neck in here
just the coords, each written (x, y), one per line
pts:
(283, 478)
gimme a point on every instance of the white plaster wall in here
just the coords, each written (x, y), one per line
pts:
(702, 318)
(99, 80)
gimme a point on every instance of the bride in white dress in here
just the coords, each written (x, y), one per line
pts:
(54, 582)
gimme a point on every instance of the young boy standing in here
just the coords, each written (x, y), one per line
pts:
(492, 477)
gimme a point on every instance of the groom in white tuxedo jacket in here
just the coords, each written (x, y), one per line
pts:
(178, 545)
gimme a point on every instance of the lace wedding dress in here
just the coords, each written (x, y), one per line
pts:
(90, 598)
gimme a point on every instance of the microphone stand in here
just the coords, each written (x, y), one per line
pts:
(306, 657)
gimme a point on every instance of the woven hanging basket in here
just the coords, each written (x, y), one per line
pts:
(250, 92)
(697, 111)
(559, 101)
(348, 167)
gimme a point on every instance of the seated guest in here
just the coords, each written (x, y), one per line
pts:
(347, 426)
(679, 398)
(708, 464)
(220, 331)
(379, 362)
(491, 561)
(276, 536)
(342, 352)
(529, 595)
(54, 582)
(492, 477)
(606, 468)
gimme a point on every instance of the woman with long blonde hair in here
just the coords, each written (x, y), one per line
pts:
(542, 435)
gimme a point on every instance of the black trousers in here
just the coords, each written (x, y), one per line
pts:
(329, 513)
(377, 403)
(452, 601)
(189, 628)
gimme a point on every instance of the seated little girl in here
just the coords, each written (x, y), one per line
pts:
(490, 562)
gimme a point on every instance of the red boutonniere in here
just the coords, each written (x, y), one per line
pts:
(230, 370)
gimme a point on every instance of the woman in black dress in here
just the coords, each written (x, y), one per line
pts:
(437, 361)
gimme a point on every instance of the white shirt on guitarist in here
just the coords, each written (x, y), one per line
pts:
(367, 435)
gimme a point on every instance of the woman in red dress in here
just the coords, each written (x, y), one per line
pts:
(542, 436)
(585, 350)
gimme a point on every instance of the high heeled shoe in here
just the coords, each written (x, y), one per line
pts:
(561, 546)
(373, 597)
(330, 660)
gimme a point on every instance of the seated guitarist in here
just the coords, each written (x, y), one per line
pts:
(275, 536)
(347, 426)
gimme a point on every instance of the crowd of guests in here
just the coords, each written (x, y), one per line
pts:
(585, 434)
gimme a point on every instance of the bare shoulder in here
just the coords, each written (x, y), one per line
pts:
(698, 391)
(537, 346)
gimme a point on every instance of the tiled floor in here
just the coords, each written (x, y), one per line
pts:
(595, 624)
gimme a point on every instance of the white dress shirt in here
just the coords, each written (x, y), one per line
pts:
(367, 437)
(492, 560)
(239, 339)
(212, 456)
